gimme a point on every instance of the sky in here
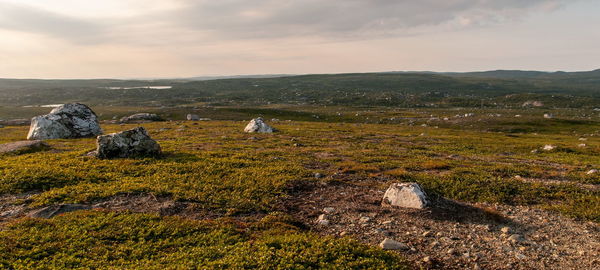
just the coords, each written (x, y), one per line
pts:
(185, 38)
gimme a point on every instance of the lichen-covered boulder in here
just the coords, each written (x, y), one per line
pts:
(258, 125)
(130, 143)
(65, 122)
(409, 195)
(141, 117)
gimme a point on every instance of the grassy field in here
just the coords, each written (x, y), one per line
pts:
(233, 174)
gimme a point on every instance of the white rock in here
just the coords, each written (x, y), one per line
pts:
(389, 244)
(192, 117)
(258, 125)
(592, 171)
(409, 195)
(548, 147)
(582, 145)
(66, 121)
(548, 116)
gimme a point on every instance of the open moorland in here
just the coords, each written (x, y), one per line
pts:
(509, 188)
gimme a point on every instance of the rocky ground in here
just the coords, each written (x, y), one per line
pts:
(447, 235)
(452, 235)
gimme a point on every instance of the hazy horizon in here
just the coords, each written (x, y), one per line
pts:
(68, 39)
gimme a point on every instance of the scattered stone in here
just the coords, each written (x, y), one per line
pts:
(582, 145)
(592, 171)
(533, 103)
(583, 139)
(53, 210)
(520, 256)
(505, 230)
(389, 244)
(298, 145)
(253, 138)
(409, 195)
(516, 238)
(140, 117)
(548, 147)
(23, 146)
(451, 251)
(426, 234)
(258, 125)
(328, 210)
(387, 222)
(64, 122)
(322, 220)
(548, 116)
(192, 117)
(319, 175)
(364, 219)
(130, 143)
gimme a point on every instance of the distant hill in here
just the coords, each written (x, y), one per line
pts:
(499, 88)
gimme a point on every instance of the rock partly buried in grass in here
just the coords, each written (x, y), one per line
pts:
(130, 143)
(23, 147)
(390, 244)
(65, 122)
(141, 117)
(192, 117)
(53, 210)
(409, 195)
(258, 125)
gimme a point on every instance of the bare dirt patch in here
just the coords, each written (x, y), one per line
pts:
(450, 235)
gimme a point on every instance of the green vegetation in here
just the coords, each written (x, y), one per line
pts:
(498, 89)
(98, 240)
(215, 164)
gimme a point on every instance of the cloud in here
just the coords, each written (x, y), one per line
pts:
(29, 19)
(282, 18)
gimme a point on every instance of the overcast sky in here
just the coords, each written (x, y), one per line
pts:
(180, 38)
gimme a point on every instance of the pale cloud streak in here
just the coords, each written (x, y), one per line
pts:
(143, 38)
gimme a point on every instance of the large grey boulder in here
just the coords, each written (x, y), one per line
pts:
(409, 195)
(258, 125)
(141, 117)
(130, 143)
(65, 122)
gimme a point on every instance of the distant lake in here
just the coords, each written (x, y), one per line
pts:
(137, 87)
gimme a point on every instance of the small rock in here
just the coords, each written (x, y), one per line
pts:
(364, 219)
(427, 259)
(258, 125)
(141, 117)
(516, 238)
(389, 244)
(319, 175)
(387, 222)
(451, 251)
(505, 230)
(592, 171)
(426, 234)
(520, 256)
(192, 117)
(409, 195)
(328, 210)
(548, 147)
